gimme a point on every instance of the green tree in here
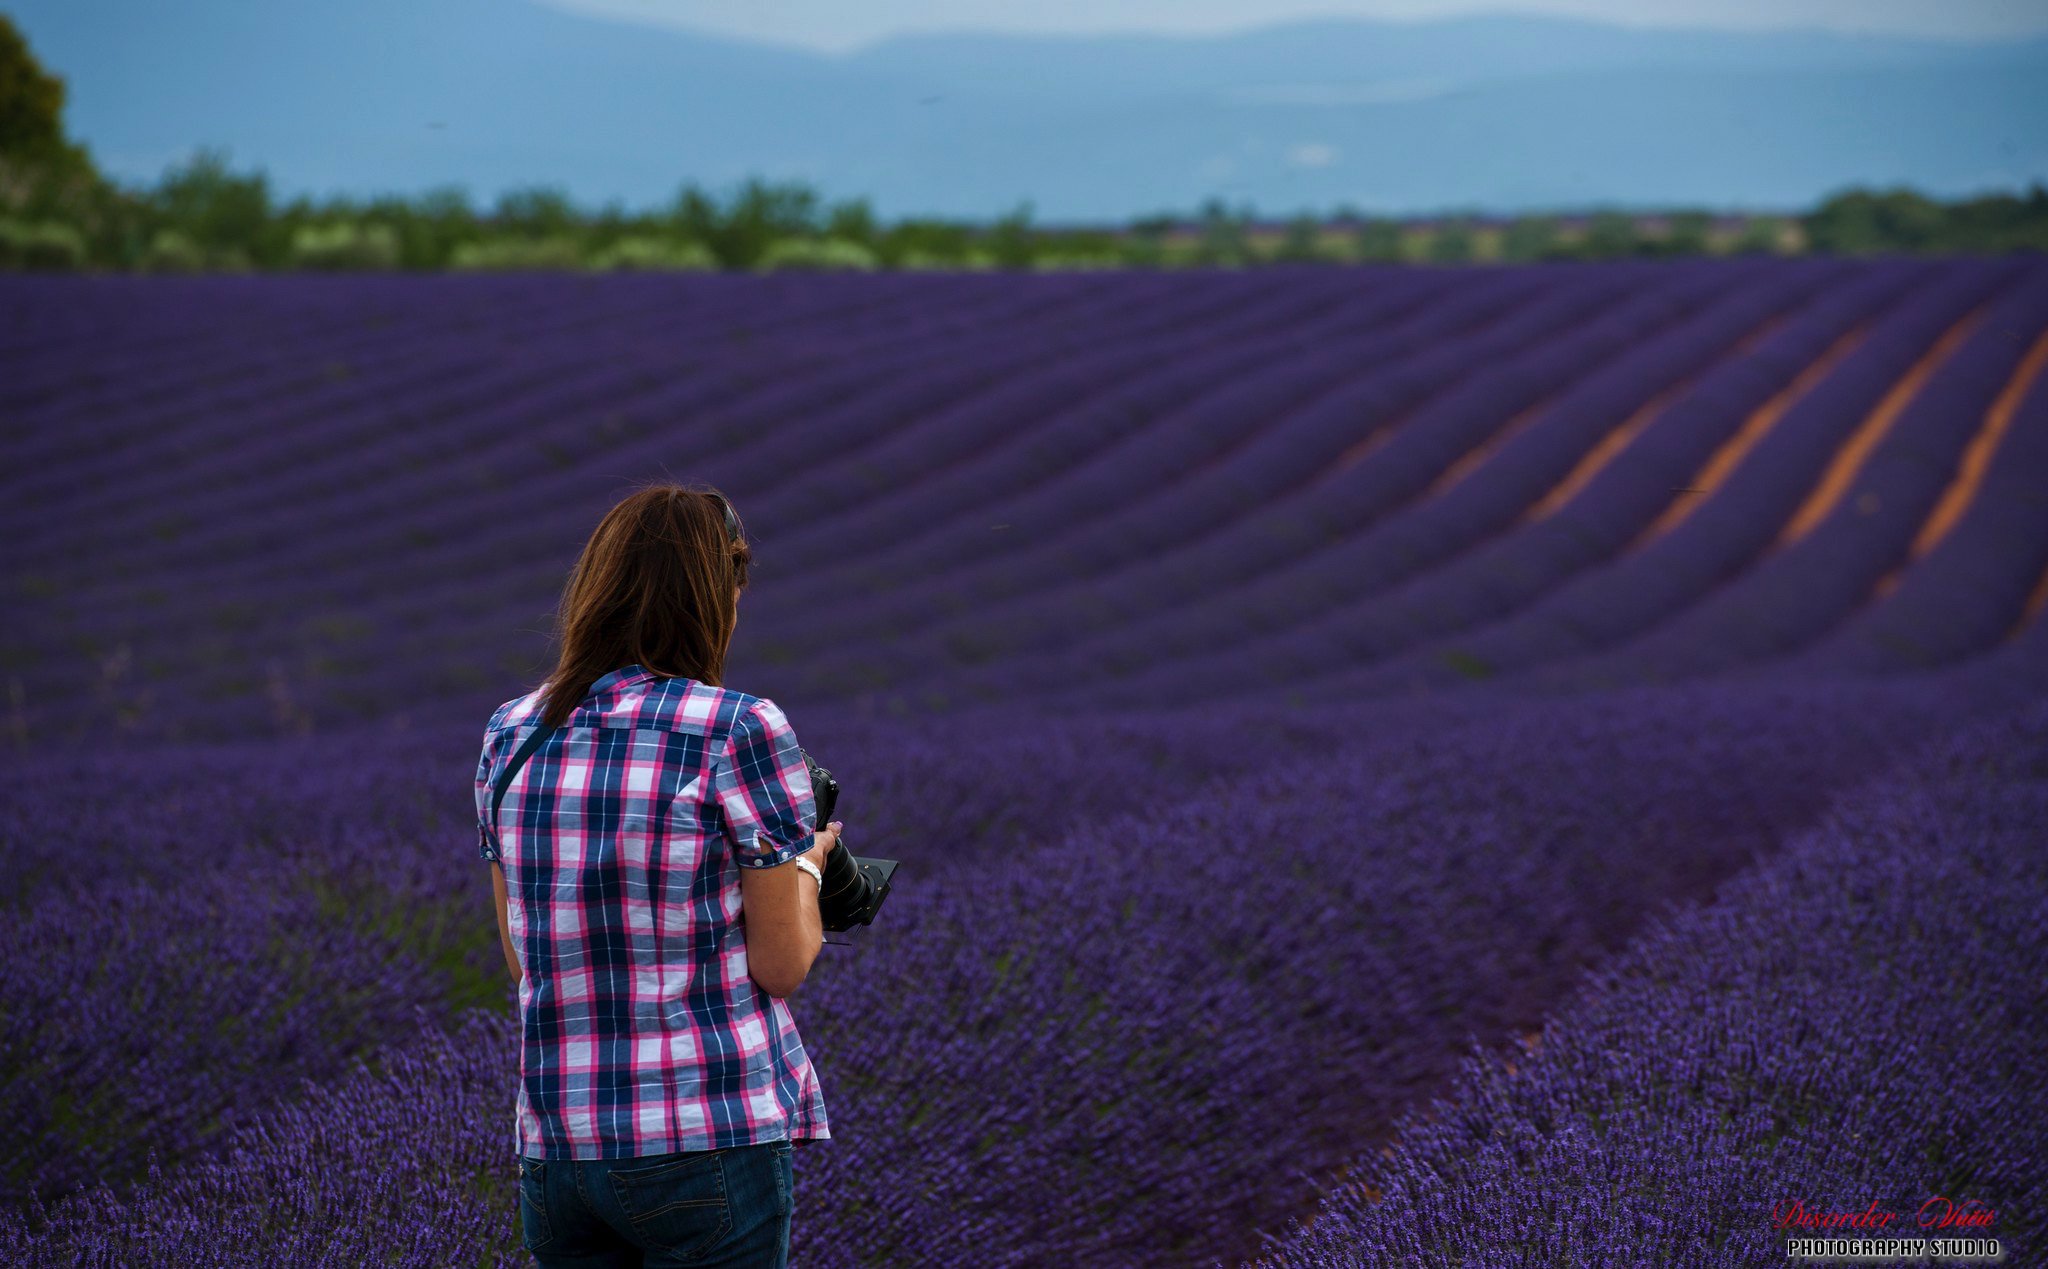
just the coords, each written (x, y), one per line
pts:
(1860, 221)
(62, 212)
(538, 211)
(1998, 222)
(1011, 242)
(761, 213)
(1530, 238)
(430, 226)
(1378, 240)
(1845, 223)
(1609, 234)
(31, 105)
(1688, 235)
(695, 215)
(924, 243)
(1760, 236)
(1144, 243)
(1224, 240)
(1077, 249)
(1450, 242)
(226, 214)
(612, 223)
(1303, 243)
(741, 230)
(853, 221)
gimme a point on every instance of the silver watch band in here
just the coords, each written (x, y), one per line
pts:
(812, 869)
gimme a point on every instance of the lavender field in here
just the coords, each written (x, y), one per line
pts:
(1497, 765)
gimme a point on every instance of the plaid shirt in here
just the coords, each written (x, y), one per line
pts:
(621, 839)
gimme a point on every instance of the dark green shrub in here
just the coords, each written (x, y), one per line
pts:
(1450, 242)
(816, 253)
(170, 251)
(1010, 242)
(41, 246)
(1530, 238)
(929, 244)
(1609, 235)
(1224, 240)
(654, 254)
(1377, 240)
(1302, 243)
(345, 246)
(518, 254)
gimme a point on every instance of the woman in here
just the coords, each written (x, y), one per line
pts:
(655, 876)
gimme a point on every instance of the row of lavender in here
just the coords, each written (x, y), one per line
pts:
(1418, 562)
(1363, 527)
(1478, 585)
(1716, 598)
(973, 492)
(725, 361)
(1146, 962)
(287, 530)
(1856, 1026)
(1724, 563)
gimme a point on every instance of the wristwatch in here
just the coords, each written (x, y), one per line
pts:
(812, 869)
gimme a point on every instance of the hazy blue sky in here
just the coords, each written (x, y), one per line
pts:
(1504, 114)
(845, 24)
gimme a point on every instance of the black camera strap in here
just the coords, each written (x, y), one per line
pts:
(525, 751)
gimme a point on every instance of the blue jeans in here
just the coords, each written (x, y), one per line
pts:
(709, 1209)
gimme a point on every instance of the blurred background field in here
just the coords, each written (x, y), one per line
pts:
(1534, 762)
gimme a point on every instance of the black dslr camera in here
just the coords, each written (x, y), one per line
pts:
(854, 888)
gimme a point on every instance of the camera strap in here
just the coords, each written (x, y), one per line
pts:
(519, 758)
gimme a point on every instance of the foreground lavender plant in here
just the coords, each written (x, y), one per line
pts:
(134, 1019)
(402, 1162)
(1860, 1020)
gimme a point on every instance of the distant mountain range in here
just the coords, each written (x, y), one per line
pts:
(1494, 113)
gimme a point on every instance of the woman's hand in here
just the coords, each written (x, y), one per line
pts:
(822, 844)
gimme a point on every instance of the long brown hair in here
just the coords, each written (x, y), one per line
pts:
(654, 587)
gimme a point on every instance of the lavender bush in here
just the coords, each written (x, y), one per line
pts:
(133, 1017)
(1860, 1020)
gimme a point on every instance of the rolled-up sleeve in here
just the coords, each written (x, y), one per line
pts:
(764, 788)
(486, 845)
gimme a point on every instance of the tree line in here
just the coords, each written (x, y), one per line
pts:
(59, 212)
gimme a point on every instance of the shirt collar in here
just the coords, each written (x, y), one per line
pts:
(624, 676)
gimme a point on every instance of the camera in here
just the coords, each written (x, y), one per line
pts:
(854, 888)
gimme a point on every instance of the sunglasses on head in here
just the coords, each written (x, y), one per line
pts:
(732, 522)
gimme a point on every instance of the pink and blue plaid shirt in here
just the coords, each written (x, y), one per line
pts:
(622, 838)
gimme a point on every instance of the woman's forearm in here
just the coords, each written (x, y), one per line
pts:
(783, 929)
